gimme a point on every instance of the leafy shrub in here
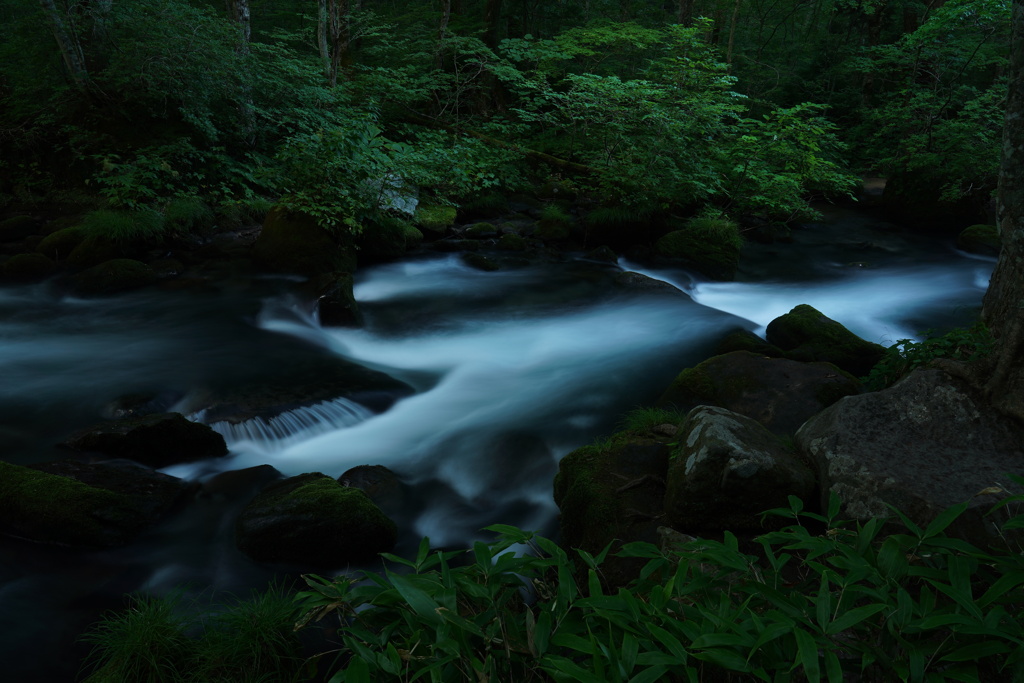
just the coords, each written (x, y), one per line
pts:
(188, 214)
(715, 230)
(825, 599)
(163, 640)
(963, 344)
(644, 418)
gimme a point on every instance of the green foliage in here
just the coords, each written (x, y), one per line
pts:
(164, 640)
(716, 230)
(188, 215)
(914, 606)
(961, 344)
(645, 417)
(136, 225)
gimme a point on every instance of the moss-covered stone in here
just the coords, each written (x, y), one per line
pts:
(111, 509)
(513, 242)
(116, 275)
(27, 267)
(292, 242)
(157, 440)
(18, 228)
(58, 245)
(612, 492)
(745, 340)
(710, 246)
(779, 393)
(94, 250)
(388, 238)
(806, 334)
(482, 230)
(980, 239)
(434, 218)
(314, 520)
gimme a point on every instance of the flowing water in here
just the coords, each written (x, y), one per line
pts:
(508, 371)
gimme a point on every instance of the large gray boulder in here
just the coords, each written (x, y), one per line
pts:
(922, 445)
(779, 393)
(727, 471)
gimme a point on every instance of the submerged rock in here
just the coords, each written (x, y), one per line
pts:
(806, 334)
(157, 440)
(312, 519)
(779, 393)
(727, 470)
(87, 505)
(922, 445)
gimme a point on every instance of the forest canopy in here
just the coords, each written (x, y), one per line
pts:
(743, 108)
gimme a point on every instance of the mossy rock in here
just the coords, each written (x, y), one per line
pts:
(482, 230)
(806, 334)
(481, 262)
(314, 520)
(116, 275)
(745, 340)
(18, 228)
(612, 493)
(714, 252)
(81, 504)
(552, 230)
(388, 238)
(157, 440)
(94, 250)
(58, 245)
(513, 242)
(727, 471)
(621, 227)
(980, 239)
(779, 393)
(292, 242)
(434, 218)
(27, 268)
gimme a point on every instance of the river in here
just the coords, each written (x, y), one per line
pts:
(509, 371)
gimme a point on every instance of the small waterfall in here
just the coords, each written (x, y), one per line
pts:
(277, 432)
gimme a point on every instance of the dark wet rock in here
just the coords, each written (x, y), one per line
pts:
(336, 304)
(780, 394)
(27, 268)
(513, 242)
(387, 240)
(86, 505)
(312, 519)
(59, 245)
(93, 250)
(922, 445)
(383, 486)
(18, 228)
(155, 440)
(603, 254)
(642, 283)
(613, 492)
(745, 340)
(292, 242)
(236, 484)
(111, 277)
(718, 259)
(481, 262)
(727, 470)
(481, 230)
(980, 239)
(806, 334)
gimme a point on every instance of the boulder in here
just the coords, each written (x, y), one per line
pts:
(379, 483)
(806, 334)
(86, 505)
(157, 440)
(18, 228)
(58, 245)
(707, 245)
(27, 267)
(435, 218)
(745, 340)
(336, 304)
(311, 519)
(387, 238)
(292, 242)
(980, 239)
(93, 250)
(779, 393)
(111, 277)
(922, 445)
(727, 471)
(639, 282)
(613, 492)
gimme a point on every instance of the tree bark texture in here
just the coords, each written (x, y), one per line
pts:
(1003, 309)
(238, 11)
(68, 43)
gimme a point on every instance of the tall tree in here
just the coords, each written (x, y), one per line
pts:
(333, 37)
(68, 42)
(1003, 309)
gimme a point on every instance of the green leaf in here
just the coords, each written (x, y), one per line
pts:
(418, 600)
(944, 519)
(807, 655)
(853, 617)
(977, 651)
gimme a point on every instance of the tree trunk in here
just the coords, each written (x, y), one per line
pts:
(442, 31)
(69, 44)
(338, 15)
(1003, 309)
(238, 11)
(321, 37)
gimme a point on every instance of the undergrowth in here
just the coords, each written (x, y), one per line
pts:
(962, 344)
